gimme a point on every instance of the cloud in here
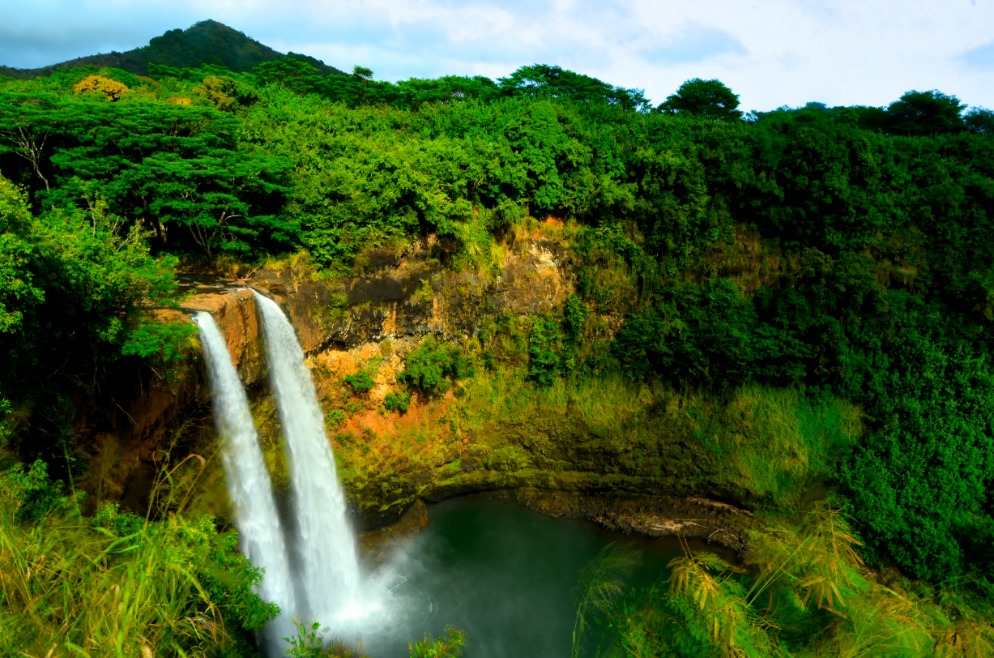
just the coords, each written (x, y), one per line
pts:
(772, 53)
(694, 43)
(980, 58)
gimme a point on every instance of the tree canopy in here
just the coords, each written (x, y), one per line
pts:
(710, 99)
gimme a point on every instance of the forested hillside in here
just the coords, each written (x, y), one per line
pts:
(803, 258)
(207, 42)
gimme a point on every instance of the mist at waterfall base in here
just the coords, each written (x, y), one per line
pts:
(503, 574)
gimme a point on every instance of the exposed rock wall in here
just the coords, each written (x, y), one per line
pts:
(236, 315)
(145, 421)
(370, 322)
(412, 295)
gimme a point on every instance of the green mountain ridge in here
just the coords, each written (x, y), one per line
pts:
(206, 42)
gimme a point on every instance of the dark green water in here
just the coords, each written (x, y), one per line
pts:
(503, 575)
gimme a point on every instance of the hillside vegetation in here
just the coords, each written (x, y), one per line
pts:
(805, 297)
(207, 42)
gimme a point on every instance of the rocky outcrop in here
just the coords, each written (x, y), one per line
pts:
(411, 294)
(236, 315)
(147, 420)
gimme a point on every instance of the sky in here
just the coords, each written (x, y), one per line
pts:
(772, 53)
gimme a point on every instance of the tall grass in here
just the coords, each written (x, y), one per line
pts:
(776, 444)
(802, 590)
(116, 584)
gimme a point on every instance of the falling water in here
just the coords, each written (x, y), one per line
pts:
(325, 544)
(259, 528)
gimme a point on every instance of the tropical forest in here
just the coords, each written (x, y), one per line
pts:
(744, 357)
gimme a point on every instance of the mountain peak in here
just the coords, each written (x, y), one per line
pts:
(206, 42)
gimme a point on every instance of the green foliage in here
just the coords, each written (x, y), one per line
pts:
(117, 584)
(922, 480)
(925, 113)
(39, 496)
(600, 587)
(980, 120)
(160, 343)
(68, 280)
(398, 401)
(307, 643)
(431, 367)
(543, 357)
(544, 81)
(449, 646)
(361, 382)
(710, 99)
(801, 590)
(697, 335)
(336, 418)
(574, 317)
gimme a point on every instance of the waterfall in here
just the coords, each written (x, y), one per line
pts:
(259, 529)
(325, 546)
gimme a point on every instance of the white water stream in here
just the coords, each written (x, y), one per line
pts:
(327, 569)
(259, 529)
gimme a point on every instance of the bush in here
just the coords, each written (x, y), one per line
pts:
(432, 365)
(361, 382)
(543, 359)
(397, 402)
(336, 418)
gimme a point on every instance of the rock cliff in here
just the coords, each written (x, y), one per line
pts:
(389, 461)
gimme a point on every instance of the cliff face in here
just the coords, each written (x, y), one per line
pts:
(410, 294)
(443, 445)
(146, 423)
(236, 315)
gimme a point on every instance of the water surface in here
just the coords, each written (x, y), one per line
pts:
(501, 573)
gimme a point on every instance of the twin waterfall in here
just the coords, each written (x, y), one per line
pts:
(329, 567)
(311, 567)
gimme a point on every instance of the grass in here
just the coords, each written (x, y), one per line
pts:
(777, 444)
(116, 584)
(802, 590)
(772, 448)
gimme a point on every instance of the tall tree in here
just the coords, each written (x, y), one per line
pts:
(921, 113)
(705, 98)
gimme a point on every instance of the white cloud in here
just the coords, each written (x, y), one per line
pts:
(772, 53)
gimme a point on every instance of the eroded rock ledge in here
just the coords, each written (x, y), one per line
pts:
(652, 516)
(235, 313)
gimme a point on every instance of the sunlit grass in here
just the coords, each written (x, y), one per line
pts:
(114, 584)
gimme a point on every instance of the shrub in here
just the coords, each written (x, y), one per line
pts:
(543, 359)
(397, 402)
(430, 367)
(336, 418)
(361, 382)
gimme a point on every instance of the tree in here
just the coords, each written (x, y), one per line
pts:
(544, 81)
(17, 260)
(27, 122)
(296, 74)
(705, 98)
(97, 84)
(980, 120)
(922, 113)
